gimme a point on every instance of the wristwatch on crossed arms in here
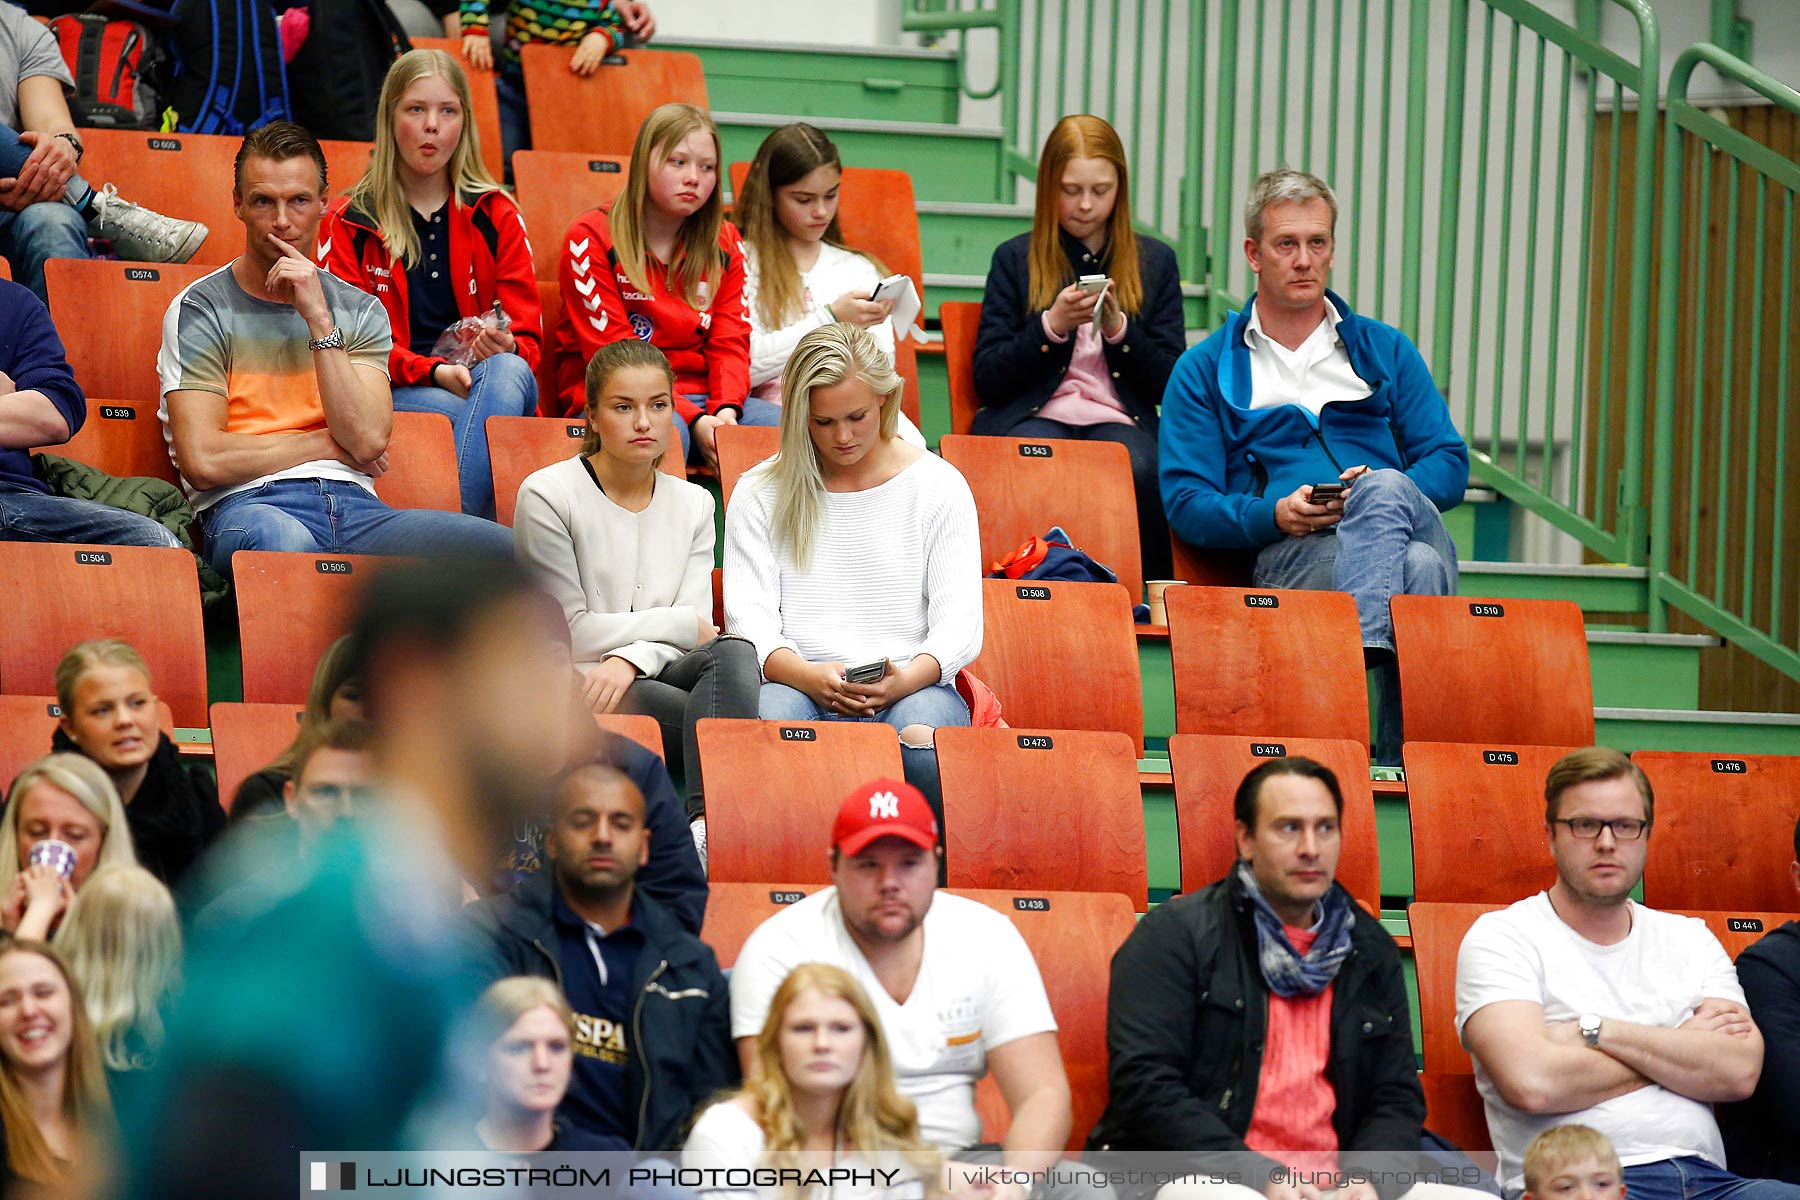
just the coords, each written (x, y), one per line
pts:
(1590, 1029)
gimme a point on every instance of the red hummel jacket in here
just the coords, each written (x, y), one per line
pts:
(490, 259)
(709, 349)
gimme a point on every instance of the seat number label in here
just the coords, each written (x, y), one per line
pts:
(1487, 610)
(117, 412)
(1268, 750)
(1262, 600)
(1035, 450)
(142, 274)
(1032, 903)
(1744, 924)
(1034, 593)
(93, 558)
(602, 167)
(575, 432)
(798, 733)
(1730, 766)
(165, 143)
(1500, 758)
(786, 897)
(332, 566)
(1035, 742)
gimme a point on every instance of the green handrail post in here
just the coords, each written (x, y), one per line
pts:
(1444, 295)
(1192, 224)
(1224, 150)
(1412, 203)
(1633, 517)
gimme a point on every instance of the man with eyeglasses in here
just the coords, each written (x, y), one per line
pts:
(1580, 1005)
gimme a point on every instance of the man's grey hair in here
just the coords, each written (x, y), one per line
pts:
(1284, 186)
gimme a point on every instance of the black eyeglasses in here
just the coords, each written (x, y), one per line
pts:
(1625, 829)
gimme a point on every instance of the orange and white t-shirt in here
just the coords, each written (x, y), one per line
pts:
(218, 338)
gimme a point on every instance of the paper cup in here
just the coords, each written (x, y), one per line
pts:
(1159, 614)
(60, 855)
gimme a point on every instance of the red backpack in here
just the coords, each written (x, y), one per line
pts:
(108, 59)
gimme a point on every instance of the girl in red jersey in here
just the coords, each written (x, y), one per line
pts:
(662, 265)
(428, 232)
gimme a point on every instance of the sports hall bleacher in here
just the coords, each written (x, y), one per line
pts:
(1627, 578)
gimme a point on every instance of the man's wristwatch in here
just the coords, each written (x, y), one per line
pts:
(75, 142)
(331, 341)
(1590, 1029)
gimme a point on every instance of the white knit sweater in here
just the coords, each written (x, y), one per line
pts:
(896, 572)
(631, 585)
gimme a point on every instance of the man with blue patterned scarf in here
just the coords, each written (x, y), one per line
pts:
(1260, 1025)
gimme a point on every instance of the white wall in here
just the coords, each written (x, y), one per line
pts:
(827, 22)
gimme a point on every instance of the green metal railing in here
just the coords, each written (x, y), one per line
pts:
(1725, 349)
(1460, 136)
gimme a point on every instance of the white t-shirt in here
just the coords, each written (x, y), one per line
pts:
(978, 988)
(1657, 976)
(725, 1138)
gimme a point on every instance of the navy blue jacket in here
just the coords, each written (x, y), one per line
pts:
(681, 1048)
(1225, 464)
(1762, 1134)
(31, 354)
(1017, 367)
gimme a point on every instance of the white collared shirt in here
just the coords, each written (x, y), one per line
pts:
(1316, 374)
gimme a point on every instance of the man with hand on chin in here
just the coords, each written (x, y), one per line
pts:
(275, 393)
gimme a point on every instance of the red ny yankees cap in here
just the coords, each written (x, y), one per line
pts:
(884, 808)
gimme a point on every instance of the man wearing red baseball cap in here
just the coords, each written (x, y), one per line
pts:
(957, 990)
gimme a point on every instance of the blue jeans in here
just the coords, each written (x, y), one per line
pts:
(333, 516)
(932, 707)
(1693, 1178)
(1391, 542)
(515, 118)
(1153, 525)
(500, 386)
(758, 411)
(39, 232)
(32, 516)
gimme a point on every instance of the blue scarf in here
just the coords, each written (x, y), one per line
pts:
(1287, 972)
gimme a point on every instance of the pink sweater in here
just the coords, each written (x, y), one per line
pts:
(1086, 395)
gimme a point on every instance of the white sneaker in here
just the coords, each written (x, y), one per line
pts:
(698, 829)
(140, 235)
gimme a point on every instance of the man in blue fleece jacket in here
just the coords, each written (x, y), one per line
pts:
(1296, 391)
(42, 405)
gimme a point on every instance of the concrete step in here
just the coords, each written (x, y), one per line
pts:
(947, 162)
(867, 83)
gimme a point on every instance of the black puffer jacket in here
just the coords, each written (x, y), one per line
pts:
(175, 814)
(1187, 1014)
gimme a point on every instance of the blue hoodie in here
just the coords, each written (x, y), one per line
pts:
(1224, 464)
(31, 354)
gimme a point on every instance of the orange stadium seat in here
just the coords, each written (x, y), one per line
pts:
(115, 357)
(1738, 929)
(753, 832)
(1062, 655)
(421, 464)
(1208, 769)
(1499, 672)
(556, 186)
(1023, 486)
(740, 448)
(1437, 934)
(1072, 935)
(1268, 662)
(1478, 821)
(1040, 808)
(483, 100)
(518, 446)
(734, 910)
(644, 730)
(601, 114)
(148, 597)
(191, 175)
(1454, 1109)
(1212, 568)
(1724, 830)
(26, 726)
(122, 439)
(248, 737)
(960, 319)
(291, 607)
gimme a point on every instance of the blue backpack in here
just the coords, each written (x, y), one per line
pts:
(228, 75)
(1052, 557)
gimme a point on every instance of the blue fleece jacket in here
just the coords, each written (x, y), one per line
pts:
(32, 356)
(1224, 464)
